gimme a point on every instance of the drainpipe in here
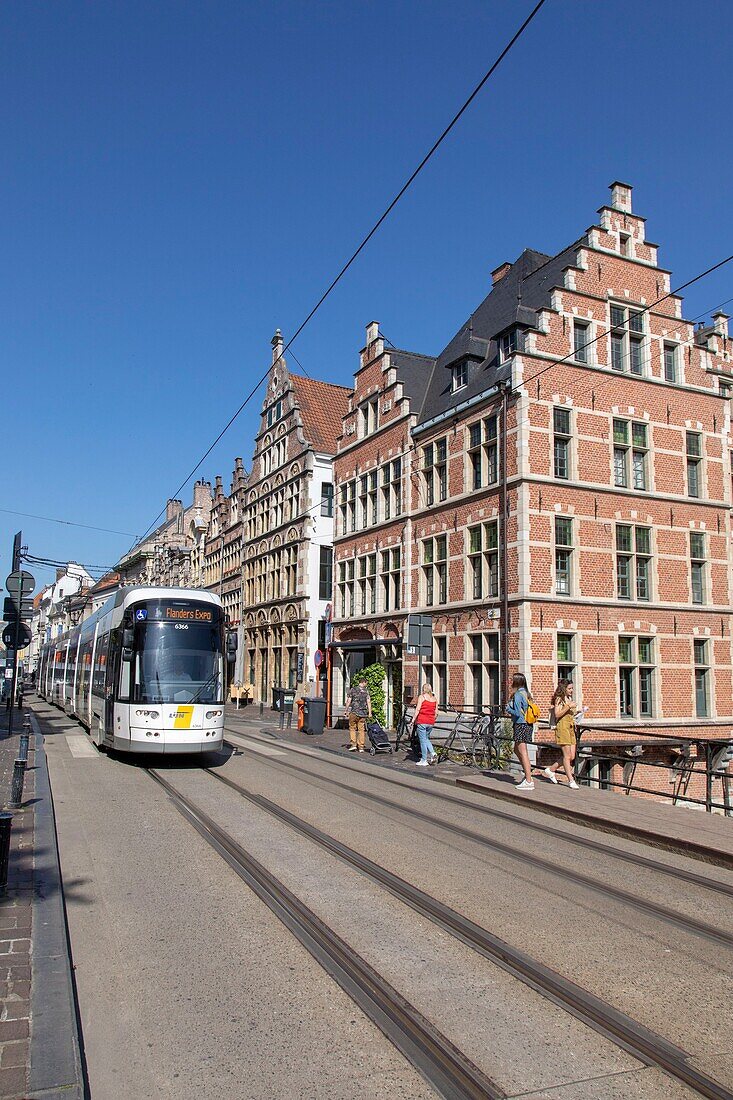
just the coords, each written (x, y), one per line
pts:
(504, 553)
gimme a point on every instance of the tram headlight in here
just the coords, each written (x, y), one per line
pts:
(213, 714)
(147, 714)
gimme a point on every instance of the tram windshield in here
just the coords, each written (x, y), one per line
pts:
(177, 663)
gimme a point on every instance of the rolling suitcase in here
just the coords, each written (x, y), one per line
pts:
(379, 742)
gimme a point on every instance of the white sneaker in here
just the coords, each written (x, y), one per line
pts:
(573, 785)
(525, 786)
(421, 764)
(549, 774)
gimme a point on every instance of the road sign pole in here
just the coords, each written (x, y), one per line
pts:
(15, 677)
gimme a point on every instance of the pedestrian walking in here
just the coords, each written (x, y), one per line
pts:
(521, 706)
(563, 710)
(358, 709)
(426, 708)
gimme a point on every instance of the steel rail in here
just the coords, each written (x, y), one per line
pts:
(442, 1064)
(335, 760)
(709, 932)
(648, 1047)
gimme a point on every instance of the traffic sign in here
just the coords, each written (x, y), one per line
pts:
(10, 609)
(318, 658)
(20, 583)
(24, 635)
(420, 635)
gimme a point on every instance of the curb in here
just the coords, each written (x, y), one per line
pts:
(691, 848)
(56, 1058)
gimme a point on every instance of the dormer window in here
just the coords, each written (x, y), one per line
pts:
(509, 344)
(459, 375)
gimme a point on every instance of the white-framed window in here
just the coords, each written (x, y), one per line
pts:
(510, 344)
(482, 660)
(368, 584)
(561, 437)
(633, 562)
(670, 362)
(627, 339)
(435, 471)
(483, 452)
(693, 448)
(566, 657)
(327, 499)
(459, 375)
(636, 676)
(563, 555)
(630, 448)
(435, 570)
(697, 566)
(483, 561)
(346, 589)
(701, 654)
(581, 341)
(392, 488)
(369, 416)
(390, 577)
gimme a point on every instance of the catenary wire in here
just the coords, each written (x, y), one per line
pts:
(332, 285)
(66, 522)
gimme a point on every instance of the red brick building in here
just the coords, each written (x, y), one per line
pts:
(577, 401)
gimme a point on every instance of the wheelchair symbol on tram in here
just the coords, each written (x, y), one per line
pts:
(141, 614)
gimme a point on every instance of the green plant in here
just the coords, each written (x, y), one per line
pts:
(396, 694)
(375, 676)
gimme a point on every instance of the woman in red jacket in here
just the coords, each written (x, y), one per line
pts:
(425, 710)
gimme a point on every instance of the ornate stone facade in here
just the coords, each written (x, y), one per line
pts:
(173, 554)
(288, 530)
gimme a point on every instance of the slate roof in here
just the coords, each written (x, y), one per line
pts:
(413, 371)
(514, 300)
(322, 408)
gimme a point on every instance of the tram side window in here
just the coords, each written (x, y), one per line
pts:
(100, 666)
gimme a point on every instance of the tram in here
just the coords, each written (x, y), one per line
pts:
(144, 673)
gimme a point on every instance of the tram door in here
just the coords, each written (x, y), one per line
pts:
(111, 686)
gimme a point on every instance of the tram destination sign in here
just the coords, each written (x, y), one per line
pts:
(172, 612)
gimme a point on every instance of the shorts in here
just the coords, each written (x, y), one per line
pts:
(522, 733)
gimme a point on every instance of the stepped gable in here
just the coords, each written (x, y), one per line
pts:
(322, 407)
(514, 299)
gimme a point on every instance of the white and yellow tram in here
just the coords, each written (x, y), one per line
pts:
(145, 673)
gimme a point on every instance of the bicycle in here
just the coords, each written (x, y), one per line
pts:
(489, 745)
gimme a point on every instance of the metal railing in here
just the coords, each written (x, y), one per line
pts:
(482, 738)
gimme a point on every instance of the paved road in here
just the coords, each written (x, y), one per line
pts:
(190, 987)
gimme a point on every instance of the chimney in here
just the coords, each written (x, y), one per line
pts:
(499, 272)
(621, 196)
(202, 495)
(277, 346)
(173, 508)
(59, 573)
(720, 320)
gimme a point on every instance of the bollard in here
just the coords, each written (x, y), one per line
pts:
(6, 820)
(24, 742)
(282, 719)
(290, 719)
(262, 709)
(16, 790)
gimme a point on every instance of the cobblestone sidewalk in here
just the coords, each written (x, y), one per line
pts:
(16, 921)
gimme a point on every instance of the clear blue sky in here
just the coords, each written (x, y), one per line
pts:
(180, 178)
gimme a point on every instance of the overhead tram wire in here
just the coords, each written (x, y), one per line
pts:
(66, 522)
(332, 285)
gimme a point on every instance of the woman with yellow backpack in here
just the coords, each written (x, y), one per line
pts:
(523, 712)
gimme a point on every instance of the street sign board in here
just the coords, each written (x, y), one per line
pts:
(420, 634)
(10, 609)
(20, 583)
(318, 658)
(24, 635)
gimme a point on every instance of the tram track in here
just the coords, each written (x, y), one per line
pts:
(634, 858)
(648, 1047)
(447, 1069)
(663, 913)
